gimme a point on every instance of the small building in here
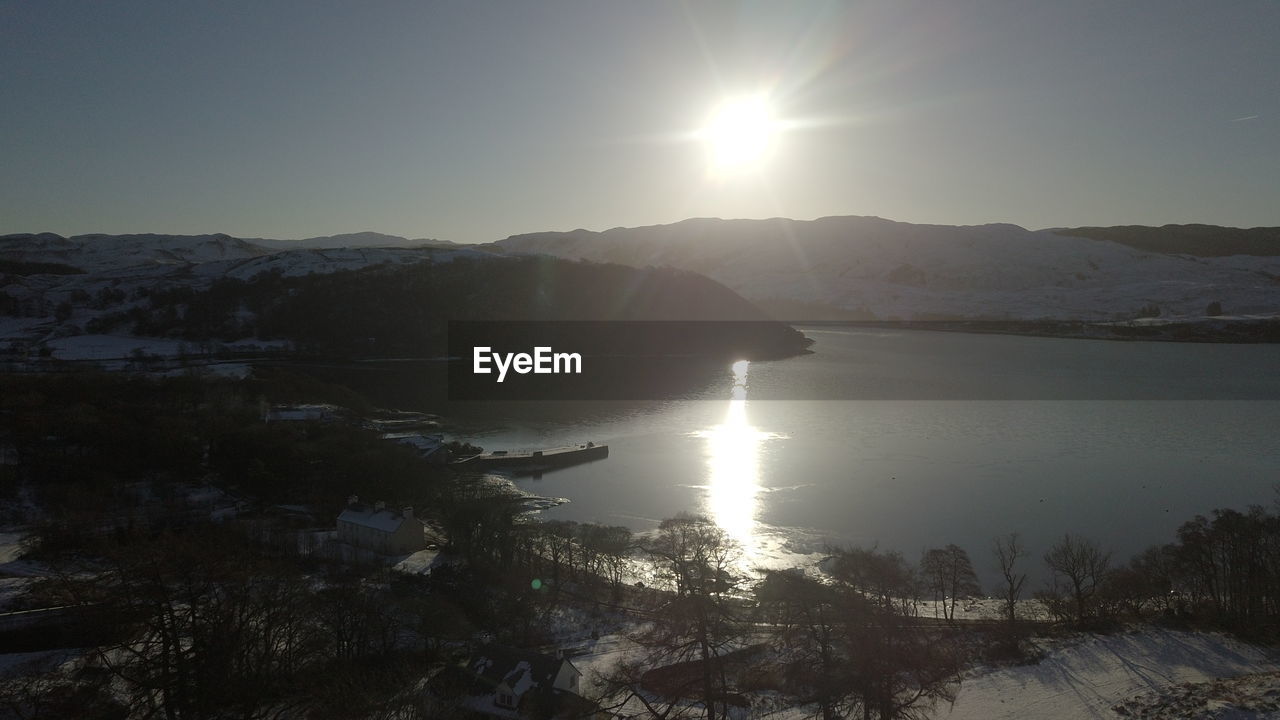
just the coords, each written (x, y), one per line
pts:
(508, 683)
(430, 447)
(379, 529)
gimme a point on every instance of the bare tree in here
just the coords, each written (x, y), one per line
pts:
(898, 669)
(949, 573)
(850, 646)
(812, 619)
(697, 624)
(1083, 566)
(885, 578)
(51, 687)
(202, 626)
(613, 546)
(1008, 550)
(354, 620)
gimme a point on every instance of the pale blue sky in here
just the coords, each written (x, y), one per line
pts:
(470, 121)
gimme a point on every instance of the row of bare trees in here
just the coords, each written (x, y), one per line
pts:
(1228, 565)
(490, 528)
(1223, 569)
(850, 645)
(201, 624)
(855, 642)
(583, 552)
(853, 645)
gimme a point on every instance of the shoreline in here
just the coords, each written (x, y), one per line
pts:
(1250, 331)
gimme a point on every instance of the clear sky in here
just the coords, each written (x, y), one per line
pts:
(472, 120)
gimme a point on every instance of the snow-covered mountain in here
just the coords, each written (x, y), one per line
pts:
(96, 253)
(876, 268)
(127, 263)
(56, 287)
(847, 267)
(355, 240)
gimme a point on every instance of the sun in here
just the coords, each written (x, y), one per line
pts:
(740, 134)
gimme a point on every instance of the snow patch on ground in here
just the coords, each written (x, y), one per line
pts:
(10, 546)
(16, 574)
(1085, 679)
(12, 588)
(421, 562)
(237, 371)
(110, 347)
(1248, 696)
(600, 657)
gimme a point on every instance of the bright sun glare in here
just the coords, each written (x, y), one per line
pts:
(740, 134)
(734, 449)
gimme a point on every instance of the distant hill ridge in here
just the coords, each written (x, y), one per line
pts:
(842, 267)
(345, 240)
(348, 302)
(98, 252)
(1198, 240)
(873, 268)
(1193, 239)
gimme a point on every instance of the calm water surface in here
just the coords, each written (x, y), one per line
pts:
(931, 438)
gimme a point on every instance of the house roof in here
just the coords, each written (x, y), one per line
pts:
(383, 520)
(519, 670)
(426, 444)
(529, 676)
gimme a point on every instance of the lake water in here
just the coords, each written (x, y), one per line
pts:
(910, 439)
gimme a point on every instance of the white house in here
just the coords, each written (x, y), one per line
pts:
(379, 529)
(510, 683)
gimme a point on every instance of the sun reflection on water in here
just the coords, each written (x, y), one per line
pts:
(733, 453)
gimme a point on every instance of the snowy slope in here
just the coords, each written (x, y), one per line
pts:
(96, 253)
(293, 263)
(905, 271)
(120, 270)
(354, 240)
(119, 257)
(1086, 679)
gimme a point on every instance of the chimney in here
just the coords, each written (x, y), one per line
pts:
(353, 499)
(407, 512)
(380, 506)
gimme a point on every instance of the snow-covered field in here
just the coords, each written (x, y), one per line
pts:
(110, 347)
(1086, 678)
(1146, 673)
(1248, 696)
(124, 347)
